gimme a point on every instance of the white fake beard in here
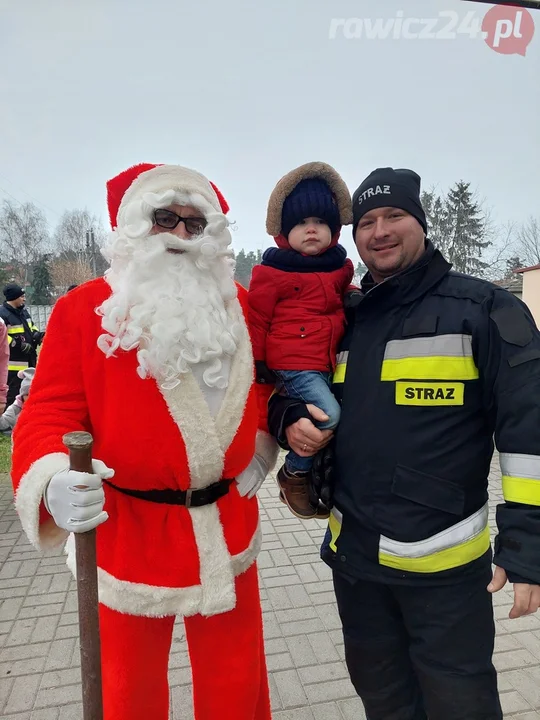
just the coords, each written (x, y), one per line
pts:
(172, 307)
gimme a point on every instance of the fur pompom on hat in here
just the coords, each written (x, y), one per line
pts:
(315, 189)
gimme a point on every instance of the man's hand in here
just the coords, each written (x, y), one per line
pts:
(75, 499)
(306, 439)
(526, 597)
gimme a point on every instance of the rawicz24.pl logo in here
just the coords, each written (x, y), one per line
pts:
(505, 29)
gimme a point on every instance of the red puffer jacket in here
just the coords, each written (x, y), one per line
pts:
(296, 314)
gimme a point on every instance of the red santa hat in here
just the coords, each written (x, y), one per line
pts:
(132, 184)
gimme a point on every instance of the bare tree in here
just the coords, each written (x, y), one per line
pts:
(503, 253)
(65, 272)
(528, 241)
(70, 237)
(24, 236)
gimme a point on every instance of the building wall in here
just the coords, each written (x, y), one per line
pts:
(531, 293)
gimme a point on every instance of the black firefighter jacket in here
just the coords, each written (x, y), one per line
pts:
(21, 330)
(434, 366)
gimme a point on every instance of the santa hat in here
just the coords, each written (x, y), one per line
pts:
(132, 184)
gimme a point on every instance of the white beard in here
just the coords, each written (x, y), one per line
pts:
(174, 309)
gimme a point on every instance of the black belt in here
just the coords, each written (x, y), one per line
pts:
(189, 498)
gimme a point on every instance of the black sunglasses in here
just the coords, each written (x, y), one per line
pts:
(169, 220)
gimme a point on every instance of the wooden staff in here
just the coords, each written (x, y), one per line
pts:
(79, 445)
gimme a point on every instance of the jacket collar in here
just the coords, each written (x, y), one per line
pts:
(291, 261)
(12, 309)
(410, 284)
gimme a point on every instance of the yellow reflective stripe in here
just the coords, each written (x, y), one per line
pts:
(14, 329)
(429, 368)
(521, 490)
(444, 559)
(520, 478)
(17, 366)
(339, 373)
(437, 357)
(334, 525)
(341, 367)
(449, 548)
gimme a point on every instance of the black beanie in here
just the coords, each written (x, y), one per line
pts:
(386, 187)
(312, 197)
(12, 291)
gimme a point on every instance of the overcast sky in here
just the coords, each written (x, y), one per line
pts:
(244, 91)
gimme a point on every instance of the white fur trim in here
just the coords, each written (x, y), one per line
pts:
(168, 177)
(217, 579)
(240, 380)
(155, 601)
(190, 412)
(267, 448)
(28, 499)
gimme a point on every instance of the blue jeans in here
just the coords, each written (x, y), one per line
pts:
(312, 387)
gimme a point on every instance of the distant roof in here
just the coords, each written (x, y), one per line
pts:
(532, 267)
(514, 284)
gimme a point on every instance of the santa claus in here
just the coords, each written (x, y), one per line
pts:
(155, 361)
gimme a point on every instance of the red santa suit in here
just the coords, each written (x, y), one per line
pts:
(156, 560)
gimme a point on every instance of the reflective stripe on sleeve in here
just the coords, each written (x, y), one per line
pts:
(520, 478)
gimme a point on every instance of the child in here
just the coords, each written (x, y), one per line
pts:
(4, 363)
(10, 416)
(296, 305)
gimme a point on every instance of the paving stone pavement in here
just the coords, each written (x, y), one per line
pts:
(39, 652)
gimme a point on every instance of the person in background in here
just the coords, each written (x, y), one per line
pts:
(24, 337)
(4, 362)
(12, 412)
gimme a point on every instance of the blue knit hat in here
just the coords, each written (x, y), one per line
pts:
(312, 197)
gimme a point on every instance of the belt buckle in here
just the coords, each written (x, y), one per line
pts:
(189, 493)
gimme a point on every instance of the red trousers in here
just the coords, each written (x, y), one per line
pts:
(228, 664)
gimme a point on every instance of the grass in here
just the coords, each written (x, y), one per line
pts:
(5, 454)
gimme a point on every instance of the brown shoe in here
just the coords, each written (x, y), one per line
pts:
(294, 492)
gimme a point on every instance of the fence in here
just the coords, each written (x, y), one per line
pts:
(40, 314)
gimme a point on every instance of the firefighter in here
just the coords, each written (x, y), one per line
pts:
(24, 337)
(435, 366)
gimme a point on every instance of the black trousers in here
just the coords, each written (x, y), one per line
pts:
(418, 653)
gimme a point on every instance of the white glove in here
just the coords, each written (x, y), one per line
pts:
(75, 499)
(250, 480)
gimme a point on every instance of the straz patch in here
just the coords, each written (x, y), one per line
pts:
(429, 393)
